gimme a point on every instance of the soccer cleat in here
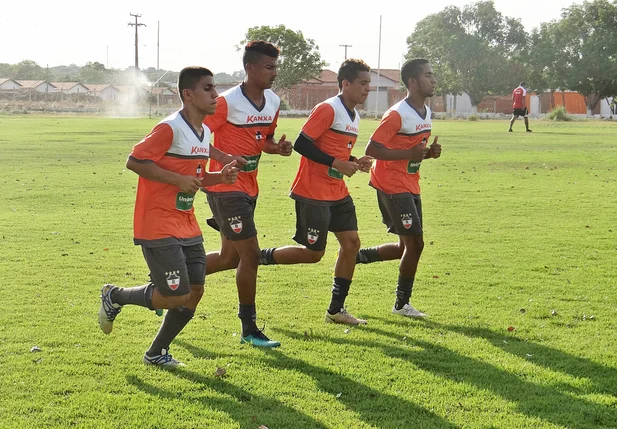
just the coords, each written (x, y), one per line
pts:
(164, 359)
(108, 310)
(528, 130)
(510, 130)
(259, 339)
(409, 311)
(344, 318)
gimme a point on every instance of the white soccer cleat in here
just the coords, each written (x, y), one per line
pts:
(343, 317)
(164, 359)
(409, 311)
(108, 310)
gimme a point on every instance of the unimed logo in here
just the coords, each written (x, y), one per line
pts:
(185, 199)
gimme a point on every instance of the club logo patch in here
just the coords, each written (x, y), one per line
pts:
(312, 235)
(173, 280)
(259, 135)
(407, 220)
(236, 224)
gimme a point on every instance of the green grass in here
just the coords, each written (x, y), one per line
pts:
(516, 225)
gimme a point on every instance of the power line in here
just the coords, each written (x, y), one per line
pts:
(136, 25)
(346, 46)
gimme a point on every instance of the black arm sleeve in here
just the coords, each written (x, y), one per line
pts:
(306, 148)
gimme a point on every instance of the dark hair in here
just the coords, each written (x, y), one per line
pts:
(349, 70)
(256, 48)
(412, 69)
(522, 83)
(189, 76)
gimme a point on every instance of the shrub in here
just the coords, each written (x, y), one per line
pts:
(473, 117)
(559, 113)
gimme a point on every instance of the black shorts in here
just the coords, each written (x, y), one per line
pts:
(402, 213)
(313, 221)
(520, 112)
(173, 269)
(233, 215)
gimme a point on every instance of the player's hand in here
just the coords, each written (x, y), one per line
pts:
(240, 160)
(229, 173)
(348, 168)
(285, 146)
(434, 150)
(365, 163)
(189, 184)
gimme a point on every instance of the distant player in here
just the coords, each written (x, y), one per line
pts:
(520, 109)
(399, 145)
(171, 162)
(243, 125)
(322, 200)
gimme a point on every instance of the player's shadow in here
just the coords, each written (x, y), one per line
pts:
(379, 409)
(603, 378)
(198, 352)
(246, 408)
(538, 401)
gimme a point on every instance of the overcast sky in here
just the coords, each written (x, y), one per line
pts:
(206, 32)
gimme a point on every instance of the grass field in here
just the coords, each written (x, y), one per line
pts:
(520, 231)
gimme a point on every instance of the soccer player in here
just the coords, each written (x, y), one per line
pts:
(520, 109)
(399, 144)
(322, 200)
(243, 125)
(170, 162)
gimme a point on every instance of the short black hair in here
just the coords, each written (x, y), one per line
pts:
(522, 83)
(256, 48)
(189, 76)
(349, 70)
(412, 69)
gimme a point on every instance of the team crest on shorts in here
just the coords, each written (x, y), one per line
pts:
(312, 235)
(173, 280)
(407, 220)
(236, 224)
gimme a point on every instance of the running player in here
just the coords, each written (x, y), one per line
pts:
(170, 162)
(322, 200)
(399, 144)
(244, 125)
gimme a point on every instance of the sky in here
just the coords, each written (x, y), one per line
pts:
(206, 33)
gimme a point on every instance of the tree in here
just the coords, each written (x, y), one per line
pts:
(589, 59)
(29, 70)
(95, 73)
(474, 49)
(299, 59)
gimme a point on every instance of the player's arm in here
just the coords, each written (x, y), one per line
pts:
(434, 151)
(225, 158)
(378, 146)
(305, 147)
(283, 147)
(143, 160)
(227, 175)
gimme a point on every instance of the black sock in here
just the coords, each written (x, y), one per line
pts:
(403, 292)
(248, 317)
(267, 256)
(175, 320)
(340, 288)
(368, 255)
(138, 295)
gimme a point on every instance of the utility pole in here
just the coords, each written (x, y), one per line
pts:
(346, 46)
(136, 25)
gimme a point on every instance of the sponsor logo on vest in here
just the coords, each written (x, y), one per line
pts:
(184, 201)
(351, 128)
(173, 280)
(312, 235)
(235, 223)
(421, 127)
(333, 172)
(413, 167)
(407, 220)
(258, 118)
(200, 149)
(251, 164)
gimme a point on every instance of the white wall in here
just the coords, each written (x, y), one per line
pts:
(463, 103)
(534, 105)
(9, 84)
(604, 106)
(382, 106)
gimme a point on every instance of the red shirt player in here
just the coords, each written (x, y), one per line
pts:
(519, 106)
